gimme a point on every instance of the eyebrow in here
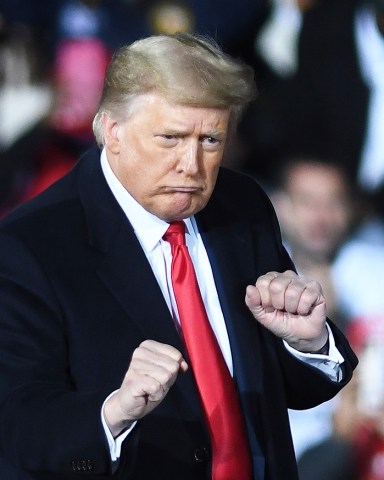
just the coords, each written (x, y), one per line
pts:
(220, 134)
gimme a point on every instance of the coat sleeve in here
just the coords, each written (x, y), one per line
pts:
(304, 386)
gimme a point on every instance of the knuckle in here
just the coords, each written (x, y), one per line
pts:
(154, 388)
(146, 344)
(171, 372)
(290, 273)
(262, 282)
(277, 287)
(167, 378)
(291, 294)
(135, 354)
(314, 286)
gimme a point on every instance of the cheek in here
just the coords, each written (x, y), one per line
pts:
(306, 214)
(136, 164)
(133, 175)
(147, 182)
(341, 214)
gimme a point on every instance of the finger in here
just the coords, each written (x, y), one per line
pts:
(273, 286)
(293, 295)
(252, 297)
(281, 288)
(145, 387)
(153, 353)
(165, 373)
(153, 391)
(263, 285)
(162, 350)
(158, 361)
(310, 297)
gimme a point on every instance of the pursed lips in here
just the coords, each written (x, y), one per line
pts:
(184, 189)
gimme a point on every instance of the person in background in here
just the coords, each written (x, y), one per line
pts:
(277, 40)
(126, 353)
(48, 140)
(25, 101)
(317, 212)
(332, 106)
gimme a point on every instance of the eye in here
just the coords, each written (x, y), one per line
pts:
(166, 140)
(211, 143)
(211, 140)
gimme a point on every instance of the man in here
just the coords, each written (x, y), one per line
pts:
(314, 205)
(96, 375)
(315, 208)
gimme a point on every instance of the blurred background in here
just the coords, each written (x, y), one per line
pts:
(314, 139)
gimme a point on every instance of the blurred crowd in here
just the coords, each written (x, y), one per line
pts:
(314, 139)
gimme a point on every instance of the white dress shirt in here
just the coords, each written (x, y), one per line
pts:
(149, 230)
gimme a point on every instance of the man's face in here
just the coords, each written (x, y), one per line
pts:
(316, 213)
(167, 155)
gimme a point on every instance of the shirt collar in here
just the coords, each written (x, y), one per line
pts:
(148, 228)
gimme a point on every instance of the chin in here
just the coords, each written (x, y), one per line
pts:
(175, 214)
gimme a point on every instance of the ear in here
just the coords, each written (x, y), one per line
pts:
(111, 133)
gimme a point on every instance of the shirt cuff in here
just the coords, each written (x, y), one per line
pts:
(329, 364)
(114, 443)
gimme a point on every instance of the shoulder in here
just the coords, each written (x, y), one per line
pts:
(236, 191)
(240, 182)
(239, 199)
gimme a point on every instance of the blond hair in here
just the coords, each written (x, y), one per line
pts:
(187, 69)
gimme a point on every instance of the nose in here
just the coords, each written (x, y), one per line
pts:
(189, 158)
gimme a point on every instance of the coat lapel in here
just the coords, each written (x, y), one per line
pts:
(119, 259)
(232, 259)
(125, 271)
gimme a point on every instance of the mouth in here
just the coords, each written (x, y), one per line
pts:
(184, 189)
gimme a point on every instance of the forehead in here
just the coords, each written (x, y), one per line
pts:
(157, 109)
(314, 177)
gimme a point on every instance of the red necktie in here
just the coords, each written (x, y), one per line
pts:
(230, 451)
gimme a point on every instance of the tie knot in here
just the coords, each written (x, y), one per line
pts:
(175, 234)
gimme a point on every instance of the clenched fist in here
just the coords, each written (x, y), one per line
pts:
(152, 372)
(290, 306)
